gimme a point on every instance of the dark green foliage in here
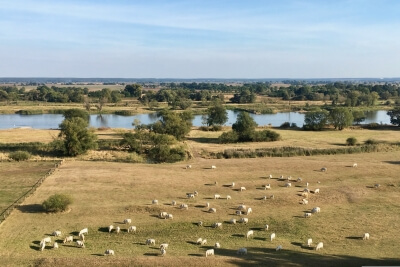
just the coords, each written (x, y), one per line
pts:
(19, 155)
(75, 112)
(351, 141)
(228, 137)
(133, 90)
(245, 96)
(124, 112)
(394, 116)
(315, 120)
(371, 142)
(244, 130)
(340, 118)
(216, 114)
(244, 127)
(285, 125)
(358, 116)
(172, 123)
(161, 150)
(57, 203)
(265, 136)
(77, 137)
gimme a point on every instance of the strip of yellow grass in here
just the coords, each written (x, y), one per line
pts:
(107, 193)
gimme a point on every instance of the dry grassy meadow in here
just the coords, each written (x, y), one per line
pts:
(106, 193)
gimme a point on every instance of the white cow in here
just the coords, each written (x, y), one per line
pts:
(213, 167)
(366, 236)
(163, 215)
(242, 188)
(249, 210)
(209, 252)
(118, 229)
(217, 245)
(55, 245)
(164, 246)
(84, 231)
(319, 246)
(56, 233)
(80, 244)
(273, 236)
(109, 252)
(233, 221)
(212, 210)
(228, 197)
(154, 202)
(132, 229)
(316, 191)
(324, 169)
(68, 239)
(45, 240)
(217, 196)
(316, 210)
(244, 220)
(279, 248)
(288, 184)
(266, 227)
(307, 215)
(110, 228)
(199, 240)
(151, 242)
(163, 252)
(309, 242)
(249, 233)
(354, 165)
(127, 221)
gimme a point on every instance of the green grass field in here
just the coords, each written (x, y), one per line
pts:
(107, 193)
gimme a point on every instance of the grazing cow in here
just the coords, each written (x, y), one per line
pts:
(242, 207)
(233, 221)
(110, 228)
(169, 216)
(355, 165)
(217, 196)
(244, 220)
(316, 210)
(324, 169)
(307, 215)
(309, 242)
(163, 215)
(242, 188)
(212, 210)
(200, 223)
(273, 236)
(270, 176)
(68, 239)
(267, 186)
(164, 246)
(55, 245)
(213, 167)
(151, 242)
(188, 166)
(238, 212)
(45, 240)
(199, 240)
(288, 184)
(84, 231)
(56, 233)
(319, 246)
(249, 233)
(217, 245)
(366, 236)
(80, 244)
(109, 252)
(154, 202)
(266, 227)
(279, 248)
(216, 225)
(242, 251)
(204, 242)
(228, 197)
(173, 203)
(316, 191)
(163, 252)
(132, 229)
(249, 210)
(127, 221)
(304, 201)
(118, 229)
(209, 252)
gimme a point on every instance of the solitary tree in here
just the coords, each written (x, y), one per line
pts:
(134, 90)
(172, 123)
(341, 118)
(77, 137)
(244, 126)
(216, 115)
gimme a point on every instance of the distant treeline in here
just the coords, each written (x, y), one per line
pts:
(181, 95)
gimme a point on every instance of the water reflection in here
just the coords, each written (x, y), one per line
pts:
(51, 121)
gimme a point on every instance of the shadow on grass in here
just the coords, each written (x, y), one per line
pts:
(97, 254)
(238, 235)
(77, 233)
(200, 206)
(204, 140)
(151, 254)
(260, 238)
(191, 242)
(354, 237)
(101, 229)
(195, 255)
(392, 162)
(31, 208)
(210, 184)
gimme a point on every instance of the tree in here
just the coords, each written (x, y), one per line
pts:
(57, 203)
(315, 120)
(172, 123)
(358, 116)
(74, 112)
(341, 118)
(77, 137)
(133, 90)
(216, 115)
(244, 126)
(394, 116)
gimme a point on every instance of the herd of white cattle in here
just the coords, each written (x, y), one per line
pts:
(242, 209)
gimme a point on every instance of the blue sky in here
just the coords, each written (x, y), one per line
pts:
(200, 39)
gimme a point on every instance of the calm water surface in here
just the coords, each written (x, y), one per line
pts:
(51, 121)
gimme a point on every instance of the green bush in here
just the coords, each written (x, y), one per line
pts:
(351, 141)
(19, 155)
(266, 136)
(124, 112)
(371, 142)
(29, 112)
(57, 203)
(228, 137)
(285, 125)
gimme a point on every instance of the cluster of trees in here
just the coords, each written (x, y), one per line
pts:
(244, 130)
(339, 117)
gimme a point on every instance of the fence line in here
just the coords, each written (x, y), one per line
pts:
(6, 212)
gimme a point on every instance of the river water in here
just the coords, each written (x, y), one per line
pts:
(51, 121)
